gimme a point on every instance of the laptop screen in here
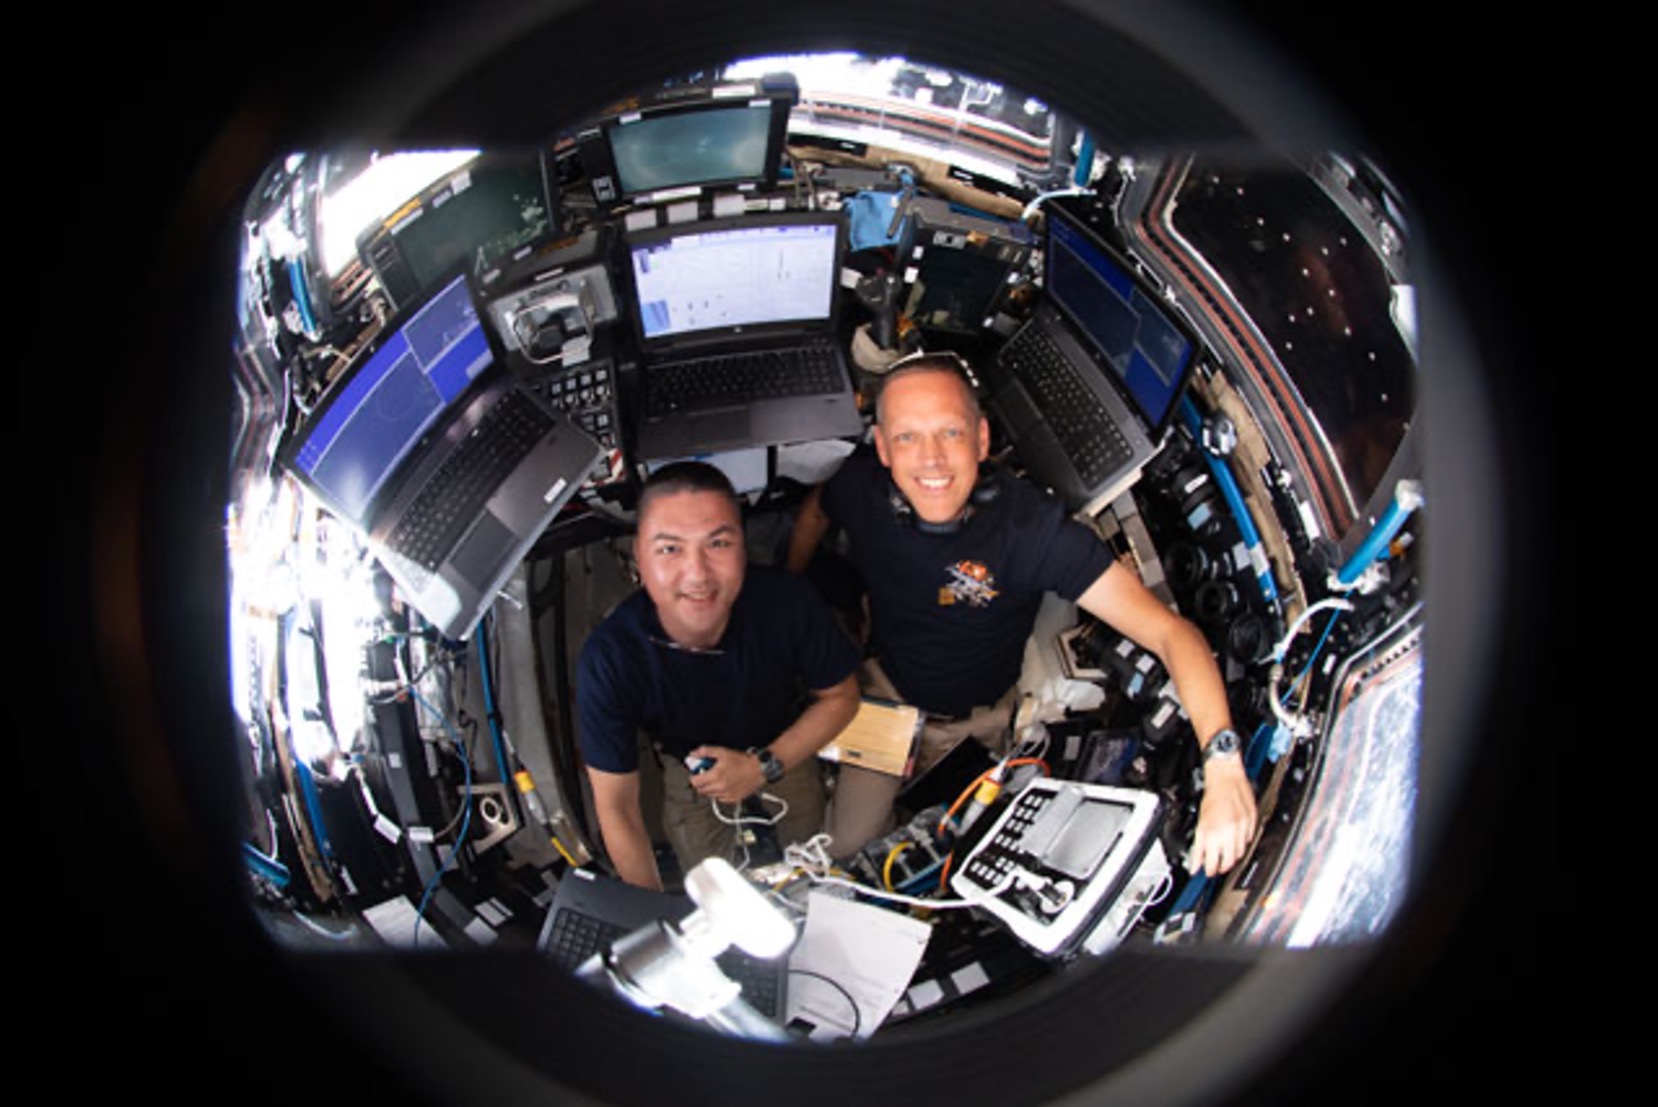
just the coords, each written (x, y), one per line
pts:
(719, 276)
(375, 416)
(1132, 332)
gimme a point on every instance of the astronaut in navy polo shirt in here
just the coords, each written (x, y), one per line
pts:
(714, 659)
(955, 566)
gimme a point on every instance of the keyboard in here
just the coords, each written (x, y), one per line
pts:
(734, 379)
(1087, 433)
(450, 500)
(587, 395)
(575, 936)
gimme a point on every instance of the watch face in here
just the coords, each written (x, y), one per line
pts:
(1224, 742)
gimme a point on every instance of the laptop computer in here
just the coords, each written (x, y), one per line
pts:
(448, 469)
(735, 321)
(1089, 386)
(590, 911)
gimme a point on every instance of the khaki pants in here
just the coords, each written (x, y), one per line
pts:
(862, 806)
(696, 833)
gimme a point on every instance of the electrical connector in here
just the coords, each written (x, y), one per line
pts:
(988, 791)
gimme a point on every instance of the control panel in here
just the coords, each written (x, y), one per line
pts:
(586, 392)
(554, 315)
(1068, 866)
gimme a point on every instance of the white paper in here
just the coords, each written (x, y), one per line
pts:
(396, 920)
(871, 952)
(812, 462)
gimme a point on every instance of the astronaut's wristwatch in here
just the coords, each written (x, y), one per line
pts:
(1224, 742)
(769, 765)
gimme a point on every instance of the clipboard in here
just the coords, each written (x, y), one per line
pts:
(883, 736)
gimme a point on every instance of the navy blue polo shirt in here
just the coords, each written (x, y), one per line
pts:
(780, 644)
(950, 613)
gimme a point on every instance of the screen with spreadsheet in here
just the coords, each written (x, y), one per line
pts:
(716, 279)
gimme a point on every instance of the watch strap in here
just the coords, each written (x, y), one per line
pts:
(769, 765)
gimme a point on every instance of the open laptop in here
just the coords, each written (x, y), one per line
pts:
(735, 320)
(1088, 387)
(590, 911)
(448, 469)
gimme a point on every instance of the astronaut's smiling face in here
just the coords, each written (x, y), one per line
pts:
(931, 436)
(691, 561)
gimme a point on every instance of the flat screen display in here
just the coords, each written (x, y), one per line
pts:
(376, 415)
(481, 214)
(725, 144)
(1133, 334)
(1087, 837)
(716, 279)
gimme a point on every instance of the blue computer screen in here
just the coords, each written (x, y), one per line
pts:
(377, 415)
(1132, 332)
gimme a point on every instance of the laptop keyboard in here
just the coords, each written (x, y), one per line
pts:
(761, 981)
(1080, 421)
(449, 502)
(575, 936)
(741, 378)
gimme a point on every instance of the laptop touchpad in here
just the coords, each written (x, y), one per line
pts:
(480, 556)
(715, 428)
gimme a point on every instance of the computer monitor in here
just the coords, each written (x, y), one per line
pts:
(724, 137)
(716, 144)
(959, 265)
(476, 217)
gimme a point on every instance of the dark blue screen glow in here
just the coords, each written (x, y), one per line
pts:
(1132, 333)
(377, 416)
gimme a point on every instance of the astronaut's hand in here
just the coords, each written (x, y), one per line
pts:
(1225, 818)
(734, 776)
